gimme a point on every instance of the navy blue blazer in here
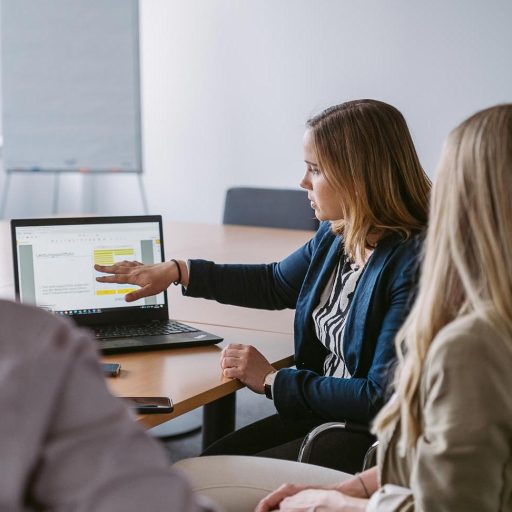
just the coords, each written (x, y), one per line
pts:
(380, 304)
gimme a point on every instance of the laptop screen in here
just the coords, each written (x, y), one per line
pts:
(55, 262)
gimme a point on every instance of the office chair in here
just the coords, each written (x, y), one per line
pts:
(269, 207)
(365, 443)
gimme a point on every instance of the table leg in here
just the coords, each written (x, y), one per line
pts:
(218, 419)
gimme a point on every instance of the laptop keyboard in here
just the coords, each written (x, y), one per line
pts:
(154, 328)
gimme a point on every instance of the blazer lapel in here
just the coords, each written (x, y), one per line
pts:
(357, 317)
(315, 281)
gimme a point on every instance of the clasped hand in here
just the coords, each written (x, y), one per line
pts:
(305, 498)
(247, 364)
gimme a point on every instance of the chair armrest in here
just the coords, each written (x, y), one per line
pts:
(370, 459)
(329, 432)
(322, 430)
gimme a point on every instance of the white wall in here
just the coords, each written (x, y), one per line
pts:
(228, 85)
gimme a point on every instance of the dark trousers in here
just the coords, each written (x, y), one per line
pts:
(271, 437)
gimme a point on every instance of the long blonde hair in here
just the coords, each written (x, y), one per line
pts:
(467, 266)
(367, 154)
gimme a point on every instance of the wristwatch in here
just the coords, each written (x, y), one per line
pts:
(268, 383)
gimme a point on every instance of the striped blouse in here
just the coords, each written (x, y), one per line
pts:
(331, 314)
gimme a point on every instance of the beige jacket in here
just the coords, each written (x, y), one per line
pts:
(463, 459)
(67, 445)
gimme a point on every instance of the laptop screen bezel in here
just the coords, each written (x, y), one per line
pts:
(130, 314)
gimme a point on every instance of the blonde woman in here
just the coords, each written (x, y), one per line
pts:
(446, 434)
(350, 285)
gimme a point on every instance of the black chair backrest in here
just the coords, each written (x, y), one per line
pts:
(269, 207)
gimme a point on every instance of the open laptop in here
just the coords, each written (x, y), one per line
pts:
(54, 269)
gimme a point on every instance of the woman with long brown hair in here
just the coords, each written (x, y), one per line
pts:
(350, 285)
(445, 434)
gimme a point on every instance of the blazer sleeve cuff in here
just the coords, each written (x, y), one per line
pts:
(287, 399)
(197, 274)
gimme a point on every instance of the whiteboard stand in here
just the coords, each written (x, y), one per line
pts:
(56, 188)
(5, 193)
(142, 192)
(55, 202)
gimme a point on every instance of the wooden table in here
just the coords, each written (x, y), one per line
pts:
(192, 377)
(229, 244)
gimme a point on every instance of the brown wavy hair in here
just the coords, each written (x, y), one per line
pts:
(366, 152)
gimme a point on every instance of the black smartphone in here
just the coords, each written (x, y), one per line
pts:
(111, 369)
(150, 404)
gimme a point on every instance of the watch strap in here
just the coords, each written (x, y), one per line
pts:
(269, 383)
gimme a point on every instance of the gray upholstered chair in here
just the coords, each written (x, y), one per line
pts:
(269, 207)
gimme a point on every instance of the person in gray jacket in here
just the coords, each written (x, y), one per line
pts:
(66, 444)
